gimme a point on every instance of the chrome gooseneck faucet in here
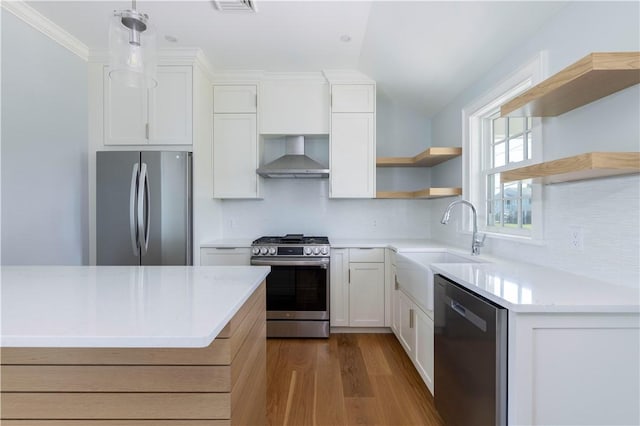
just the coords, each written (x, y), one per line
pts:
(477, 240)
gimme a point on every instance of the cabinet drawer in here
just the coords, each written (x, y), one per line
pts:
(225, 256)
(366, 255)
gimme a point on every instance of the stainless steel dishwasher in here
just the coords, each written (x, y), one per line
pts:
(470, 363)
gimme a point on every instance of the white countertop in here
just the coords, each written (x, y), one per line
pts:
(518, 286)
(522, 287)
(121, 306)
(394, 244)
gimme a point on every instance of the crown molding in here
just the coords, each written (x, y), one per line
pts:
(346, 76)
(172, 56)
(203, 62)
(41, 23)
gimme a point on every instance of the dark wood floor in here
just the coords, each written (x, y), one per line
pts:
(349, 379)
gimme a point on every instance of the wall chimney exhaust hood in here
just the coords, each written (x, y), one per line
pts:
(294, 164)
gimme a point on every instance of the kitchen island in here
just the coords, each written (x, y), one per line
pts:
(133, 345)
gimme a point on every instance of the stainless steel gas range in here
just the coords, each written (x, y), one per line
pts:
(297, 286)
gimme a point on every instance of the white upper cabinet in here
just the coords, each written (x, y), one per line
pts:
(125, 114)
(352, 141)
(295, 106)
(352, 155)
(235, 141)
(353, 98)
(171, 107)
(160, 116)
(235, 156)
(235, 99)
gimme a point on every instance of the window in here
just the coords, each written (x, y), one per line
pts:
(509, 141)
(495, 144)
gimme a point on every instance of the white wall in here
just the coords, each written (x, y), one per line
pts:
(608, 210)
(401, 131)
(303, 205)
(44, 149)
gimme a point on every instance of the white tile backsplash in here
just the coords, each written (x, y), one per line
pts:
(303, 205)
(608, 212)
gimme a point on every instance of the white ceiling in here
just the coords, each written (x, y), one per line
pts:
(422, 53)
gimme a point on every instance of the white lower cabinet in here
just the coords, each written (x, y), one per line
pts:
(395, 301)
(357, 288)
(225, 256)
(573, 368)
(407, 334)
(366, 295)
(339, 291)
(424, 346)
(415, 333)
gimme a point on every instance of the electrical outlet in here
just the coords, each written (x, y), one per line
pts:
(374, 223)
(576, 237)
(232, 223)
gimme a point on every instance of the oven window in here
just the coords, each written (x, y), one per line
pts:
(297, 288)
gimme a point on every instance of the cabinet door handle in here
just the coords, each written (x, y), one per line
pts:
(397, 285)
(146, 130)
(411, 318)
(349, 279)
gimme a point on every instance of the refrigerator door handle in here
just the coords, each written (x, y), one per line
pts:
(143, 200)
(133, 225)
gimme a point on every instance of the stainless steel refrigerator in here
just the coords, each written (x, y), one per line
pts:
(143, 208)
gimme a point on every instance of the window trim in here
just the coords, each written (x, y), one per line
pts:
(474, 160)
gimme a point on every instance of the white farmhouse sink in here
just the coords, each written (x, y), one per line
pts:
(415, 276)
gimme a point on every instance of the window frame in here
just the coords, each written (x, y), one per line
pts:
(477, 154)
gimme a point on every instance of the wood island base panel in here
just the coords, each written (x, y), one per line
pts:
(221, 384)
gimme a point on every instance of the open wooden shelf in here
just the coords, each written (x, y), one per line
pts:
(593, 77)
(422, 193)
(427, 158)
(584, 166)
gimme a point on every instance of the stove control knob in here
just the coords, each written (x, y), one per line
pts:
(256, 250)
(316, 251)
(272, 250)
(263, 250)
(307, 251)
(324, 250)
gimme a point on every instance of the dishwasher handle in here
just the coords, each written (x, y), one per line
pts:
(467, 314)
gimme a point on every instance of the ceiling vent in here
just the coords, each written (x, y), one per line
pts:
(235, 5)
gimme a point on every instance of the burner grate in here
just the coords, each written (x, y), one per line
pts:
(292, 239)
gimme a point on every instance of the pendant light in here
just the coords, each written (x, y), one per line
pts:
(132, 49)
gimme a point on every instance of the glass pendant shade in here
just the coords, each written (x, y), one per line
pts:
(132, 50)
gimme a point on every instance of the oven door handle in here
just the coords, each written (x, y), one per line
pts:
(323, 263)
